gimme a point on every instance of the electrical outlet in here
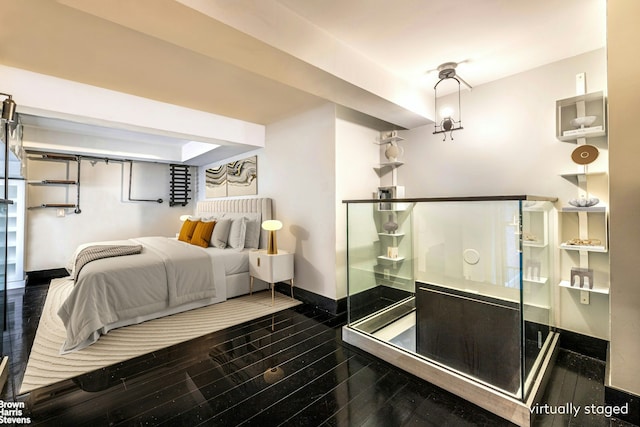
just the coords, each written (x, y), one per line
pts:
(60, 213)
(386, 273)
(584, 297)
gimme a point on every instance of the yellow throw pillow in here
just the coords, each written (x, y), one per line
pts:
(186, 232)
(202, 234)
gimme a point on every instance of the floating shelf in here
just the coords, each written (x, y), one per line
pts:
(391, 234)
(386, 258)
(53, 182)
(388, 140)
(573, 177)
(590, 104)
(587, 248)
(539, 281)
(596, 289)
(594, 209)
(389, 165)
(50, 157)
(54, 205)
(587, 133)
(534, 244)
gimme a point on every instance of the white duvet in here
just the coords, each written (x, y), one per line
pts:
(122, 290)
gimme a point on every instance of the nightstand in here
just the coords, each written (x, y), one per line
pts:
(271, 268)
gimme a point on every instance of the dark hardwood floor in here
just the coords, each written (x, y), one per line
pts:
(226, 379)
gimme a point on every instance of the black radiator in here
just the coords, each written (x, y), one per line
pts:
(180, 185)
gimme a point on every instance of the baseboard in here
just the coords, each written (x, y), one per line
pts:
(42, 277)
(626, 402)
(583, 344)
(328, 305)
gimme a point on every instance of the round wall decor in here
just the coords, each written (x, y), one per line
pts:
(584, 154)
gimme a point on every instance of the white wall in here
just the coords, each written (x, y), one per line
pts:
(297, 170)
(508, 143)
(310, 164)
(624, 87)
(106, 212)
(356, 178)
(508, 147)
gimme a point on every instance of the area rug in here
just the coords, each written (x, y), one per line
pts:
(47, 366)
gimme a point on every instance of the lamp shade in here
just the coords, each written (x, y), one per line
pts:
(272, 226)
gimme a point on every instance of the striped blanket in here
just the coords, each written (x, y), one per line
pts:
(95, 252)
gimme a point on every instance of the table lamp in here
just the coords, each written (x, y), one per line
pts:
(272, 226)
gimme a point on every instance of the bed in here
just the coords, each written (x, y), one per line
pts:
(167, 276)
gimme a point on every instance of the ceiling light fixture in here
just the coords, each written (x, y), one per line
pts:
(447, 71)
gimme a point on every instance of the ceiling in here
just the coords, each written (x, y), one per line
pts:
(264, 60)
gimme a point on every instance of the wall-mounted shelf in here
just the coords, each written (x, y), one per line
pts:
(577, 178)
(386, 258)
(15, 233)
(389, 165)
(54, 182)
(383, 141)
(537, 281)
(591, 104)
(54, 205)
(593, 209)
(391, 234)
(596, 289)
(587, 248)
(583, 230)
(534, 244)
(63, 158)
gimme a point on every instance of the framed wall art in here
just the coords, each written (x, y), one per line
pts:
(237, 178)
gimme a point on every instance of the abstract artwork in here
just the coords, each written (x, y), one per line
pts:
(238, 178)
(242, 177)
(216, 182)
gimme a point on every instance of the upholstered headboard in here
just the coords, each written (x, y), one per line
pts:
(253, 205)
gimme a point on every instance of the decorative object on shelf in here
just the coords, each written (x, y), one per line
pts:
(393, 152)
(471, 256)
(583, 202)
(8, 108)
(584, 154)
(272, 226)
(391, 192)
(447, 71)
(392, 252)
(583, 242)
(532, 269)
(573, 123)
(390, 226)
(529, 237)
(581, 122)
(580, 275)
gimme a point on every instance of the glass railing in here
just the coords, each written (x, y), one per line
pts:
(463, 283)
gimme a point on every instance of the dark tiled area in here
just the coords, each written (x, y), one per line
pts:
(226, 379)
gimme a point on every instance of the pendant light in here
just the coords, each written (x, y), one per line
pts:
(448, 123)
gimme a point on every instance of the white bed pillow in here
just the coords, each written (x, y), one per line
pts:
(237, 233)
(220, 234)
(252, 228)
